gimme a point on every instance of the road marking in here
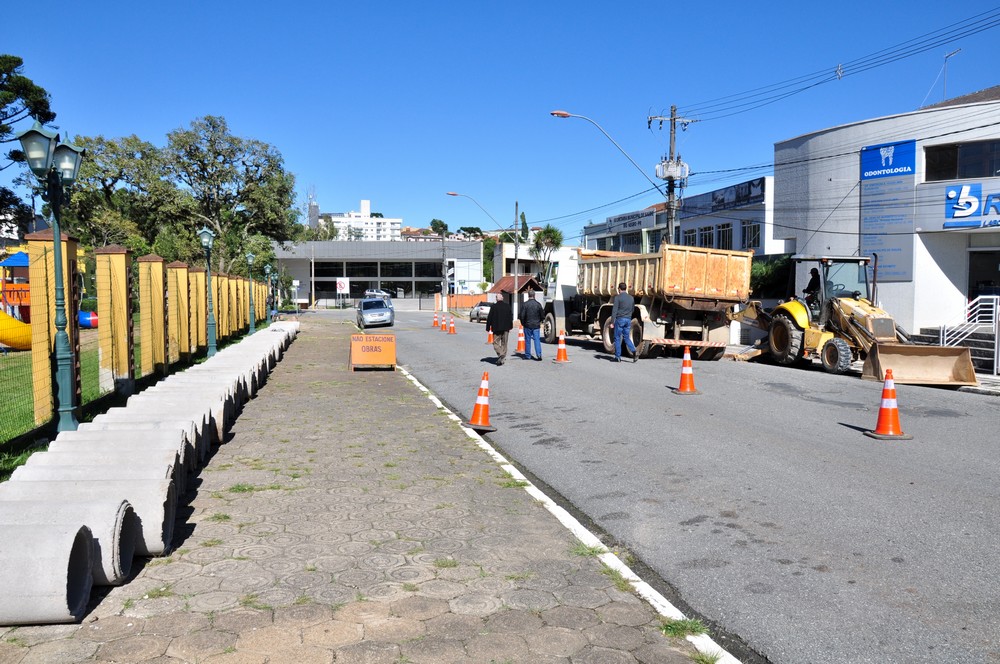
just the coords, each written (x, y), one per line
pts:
(702, 642)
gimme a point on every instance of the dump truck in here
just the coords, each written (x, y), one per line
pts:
(838, 321)
(681, 296)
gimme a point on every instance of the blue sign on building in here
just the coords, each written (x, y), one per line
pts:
(888, 160)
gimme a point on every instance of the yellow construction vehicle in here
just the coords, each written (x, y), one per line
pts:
(837, 321)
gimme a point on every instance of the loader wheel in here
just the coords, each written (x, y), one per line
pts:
(784, 340)
(836, 356)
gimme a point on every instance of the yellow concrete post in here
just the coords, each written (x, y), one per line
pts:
(199, 308)
(222, 315)
(114, 314)
(178, 312)
(153, 314)
(41, 266)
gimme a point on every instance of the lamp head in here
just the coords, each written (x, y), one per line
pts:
(452, 193)
(560, 114)
(38, 144)
(250, 258)
(66, 159)
(267, 270)
(206, 236)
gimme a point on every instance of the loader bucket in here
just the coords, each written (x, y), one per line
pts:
(921, 365)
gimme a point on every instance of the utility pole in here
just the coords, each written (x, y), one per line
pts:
(517, 265)
(444, 271)
(671, 169)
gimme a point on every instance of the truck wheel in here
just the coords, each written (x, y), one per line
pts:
(836, 356)
(608, 335)
(784, 340)
(643, 348)
(550, 334)
(711, 354)
(635, 331)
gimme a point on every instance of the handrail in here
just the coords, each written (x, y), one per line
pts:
(982, 312)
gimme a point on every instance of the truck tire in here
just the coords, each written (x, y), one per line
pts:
(635, 331)
(836, 356)
(711, 354)
(784, 340)
(608, 335)
(550, 334)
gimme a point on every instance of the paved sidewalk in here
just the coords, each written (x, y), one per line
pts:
(349, 520)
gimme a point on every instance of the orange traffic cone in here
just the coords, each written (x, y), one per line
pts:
(489, 337)
(687, 375)
(435, 319)
(887, 427)
(520, 341)
(481, 411)
(444, 322)
(561, 356)
(451, 330)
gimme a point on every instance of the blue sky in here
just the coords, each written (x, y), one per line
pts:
(399, 102)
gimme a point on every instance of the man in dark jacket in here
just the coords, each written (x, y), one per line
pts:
(499, 321)
(531, 318)
(622, 315)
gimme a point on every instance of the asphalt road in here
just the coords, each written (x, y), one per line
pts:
(761, 501)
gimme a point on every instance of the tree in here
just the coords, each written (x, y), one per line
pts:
(546, 241)
(489, 244)
(524, 228)
(471, 231)
(438, 227)
(239, 186)
(20, 98)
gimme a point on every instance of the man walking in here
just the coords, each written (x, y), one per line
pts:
(499, 321)
(622, 315)
(531, 319)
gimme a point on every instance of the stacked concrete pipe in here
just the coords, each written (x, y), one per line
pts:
(47, 575)
(108, 491)
(115, 530)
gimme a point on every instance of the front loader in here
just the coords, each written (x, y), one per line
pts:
(838, 322)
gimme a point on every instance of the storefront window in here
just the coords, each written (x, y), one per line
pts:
(362, 270)
(705, 234)
(960, 161)
(428, 269)
(397, 269)
(724, 236)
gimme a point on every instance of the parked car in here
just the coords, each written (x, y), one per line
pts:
(378, 292)
(374, 311)
(479, 312)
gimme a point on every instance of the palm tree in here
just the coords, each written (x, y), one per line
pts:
(546, 241)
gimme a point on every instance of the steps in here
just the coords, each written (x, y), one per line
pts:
(981, 345)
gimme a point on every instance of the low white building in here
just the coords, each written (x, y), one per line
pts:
(330, 270)
(921, 190)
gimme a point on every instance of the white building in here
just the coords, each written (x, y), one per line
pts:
(920, 189)
(362, 225)
(331, 269)
(738, 217)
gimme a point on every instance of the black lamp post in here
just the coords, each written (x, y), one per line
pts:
(56, 164)
(207, 237)
(253, 314)
(267, 280)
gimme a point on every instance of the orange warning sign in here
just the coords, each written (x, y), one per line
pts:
(373, 351)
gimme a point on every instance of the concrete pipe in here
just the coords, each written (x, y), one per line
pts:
(47, 576)
(217, 411)
(199, 446)
(154, 502)
(98, 443)
(131, 439)
(111, 465)
(113, 524)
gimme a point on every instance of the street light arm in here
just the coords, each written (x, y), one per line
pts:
(564, 114)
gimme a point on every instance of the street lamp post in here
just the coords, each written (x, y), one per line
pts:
(502, 230)
(207, 237)
(565, 114)
(270, 294)
(56, 164)
(253, 314)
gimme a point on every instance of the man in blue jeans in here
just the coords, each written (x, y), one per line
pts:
(531, 318)
(622, 315)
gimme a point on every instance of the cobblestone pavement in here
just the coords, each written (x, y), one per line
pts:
(348, 520)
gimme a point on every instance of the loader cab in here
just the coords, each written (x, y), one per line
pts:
(840, 277)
